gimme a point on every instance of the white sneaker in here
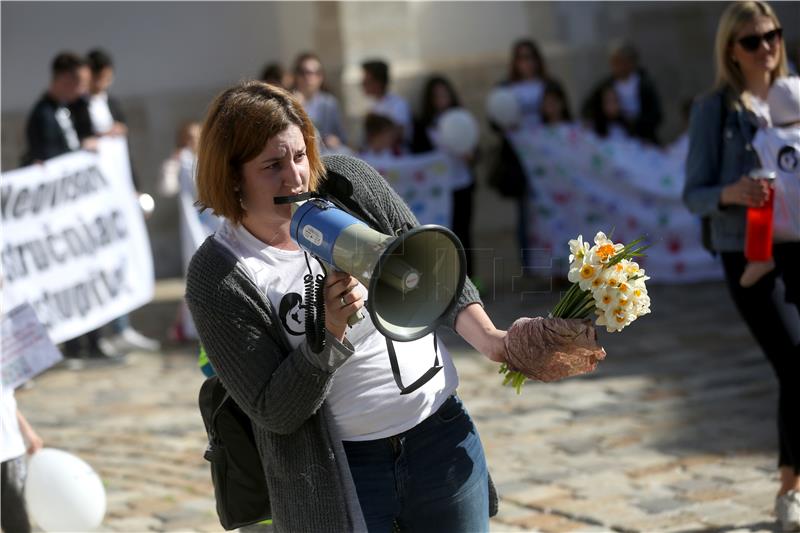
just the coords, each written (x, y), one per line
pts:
(787, 510)
(135, 340)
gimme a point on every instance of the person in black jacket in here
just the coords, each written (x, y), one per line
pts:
(51, 128)
(636, 92)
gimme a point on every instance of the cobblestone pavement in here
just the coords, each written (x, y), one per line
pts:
(674, 432)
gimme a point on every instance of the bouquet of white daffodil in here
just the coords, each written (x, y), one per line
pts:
(605, 282)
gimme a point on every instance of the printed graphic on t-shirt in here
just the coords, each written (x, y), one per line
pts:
(788, 159)
(293, 314)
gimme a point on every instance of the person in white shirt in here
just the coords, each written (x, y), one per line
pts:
(16, 438)
(778, 149)
(375, 83)
(106, 119)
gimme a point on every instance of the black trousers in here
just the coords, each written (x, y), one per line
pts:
(14, 517)
(462, 221)
(771, 309)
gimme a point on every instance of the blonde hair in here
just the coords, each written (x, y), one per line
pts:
(240, 121)
(736, 15)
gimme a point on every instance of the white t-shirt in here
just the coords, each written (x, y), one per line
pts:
(63, 117)
(628, 94)
(11, 443)
(778, 150)
(529, 94)
(364, 399)
(397, 109)
(102, 121)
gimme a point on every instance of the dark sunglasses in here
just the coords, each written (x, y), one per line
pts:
(751, 43)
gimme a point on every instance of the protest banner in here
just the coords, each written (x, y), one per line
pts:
(580, 183)
(75, 244)
(25, 348)
(423, 182)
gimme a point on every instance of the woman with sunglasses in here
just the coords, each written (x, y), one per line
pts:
(321, 106)
(750, 55)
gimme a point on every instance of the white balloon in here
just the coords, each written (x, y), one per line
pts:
(503, 108)
(458, 131)
(63, 493)
(147, 204)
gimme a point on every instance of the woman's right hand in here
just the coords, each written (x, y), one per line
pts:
(746, 191)
(342, 299)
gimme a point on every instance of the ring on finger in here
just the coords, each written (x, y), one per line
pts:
(341, 299)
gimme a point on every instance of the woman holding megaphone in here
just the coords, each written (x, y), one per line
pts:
(342, 449)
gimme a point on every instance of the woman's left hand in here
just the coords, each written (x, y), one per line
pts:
(550, 349)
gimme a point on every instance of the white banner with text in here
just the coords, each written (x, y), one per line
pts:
(74, 242)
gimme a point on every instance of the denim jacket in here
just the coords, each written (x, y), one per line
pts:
(721, 131)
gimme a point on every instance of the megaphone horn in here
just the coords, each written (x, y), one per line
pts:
(413, 279)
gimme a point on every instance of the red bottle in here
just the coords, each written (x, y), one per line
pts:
(758, 237)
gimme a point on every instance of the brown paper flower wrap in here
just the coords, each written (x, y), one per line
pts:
(553, 348)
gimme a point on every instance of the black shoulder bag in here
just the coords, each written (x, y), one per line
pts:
(240, 487)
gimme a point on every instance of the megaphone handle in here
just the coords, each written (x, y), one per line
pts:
(356, 317)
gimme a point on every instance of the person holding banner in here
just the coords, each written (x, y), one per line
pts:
(330, 426)
(438, 96)
(51, 129)
(526, 79)
(750, 56)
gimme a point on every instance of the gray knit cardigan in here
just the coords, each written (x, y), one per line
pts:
(283, 390)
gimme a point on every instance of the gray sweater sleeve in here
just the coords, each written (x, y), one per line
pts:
(277, 388)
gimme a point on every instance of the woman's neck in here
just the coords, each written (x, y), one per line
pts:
(758, 84)
(277, 236)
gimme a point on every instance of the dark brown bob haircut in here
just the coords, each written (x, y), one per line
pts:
(239, 123)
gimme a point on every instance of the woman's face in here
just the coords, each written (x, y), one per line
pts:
(441, 98)
(525, 63)
(309, 76)
(762, 60)
(281, 169)
(552, 107)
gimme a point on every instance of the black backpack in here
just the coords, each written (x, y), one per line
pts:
(240, 487)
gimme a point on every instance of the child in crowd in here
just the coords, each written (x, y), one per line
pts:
(555, 104)
(186, 140)
(778, 149)
(607, 119)
(16, 431)
(382, 135)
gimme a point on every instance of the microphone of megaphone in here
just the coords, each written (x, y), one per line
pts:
(413, 279)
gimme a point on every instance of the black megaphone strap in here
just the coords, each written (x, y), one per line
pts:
(426, 377)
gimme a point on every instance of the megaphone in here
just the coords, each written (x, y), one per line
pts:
(413, 279)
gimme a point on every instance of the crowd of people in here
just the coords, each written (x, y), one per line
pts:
(354, 429)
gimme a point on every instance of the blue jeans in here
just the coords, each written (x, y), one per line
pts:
(432, 477)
